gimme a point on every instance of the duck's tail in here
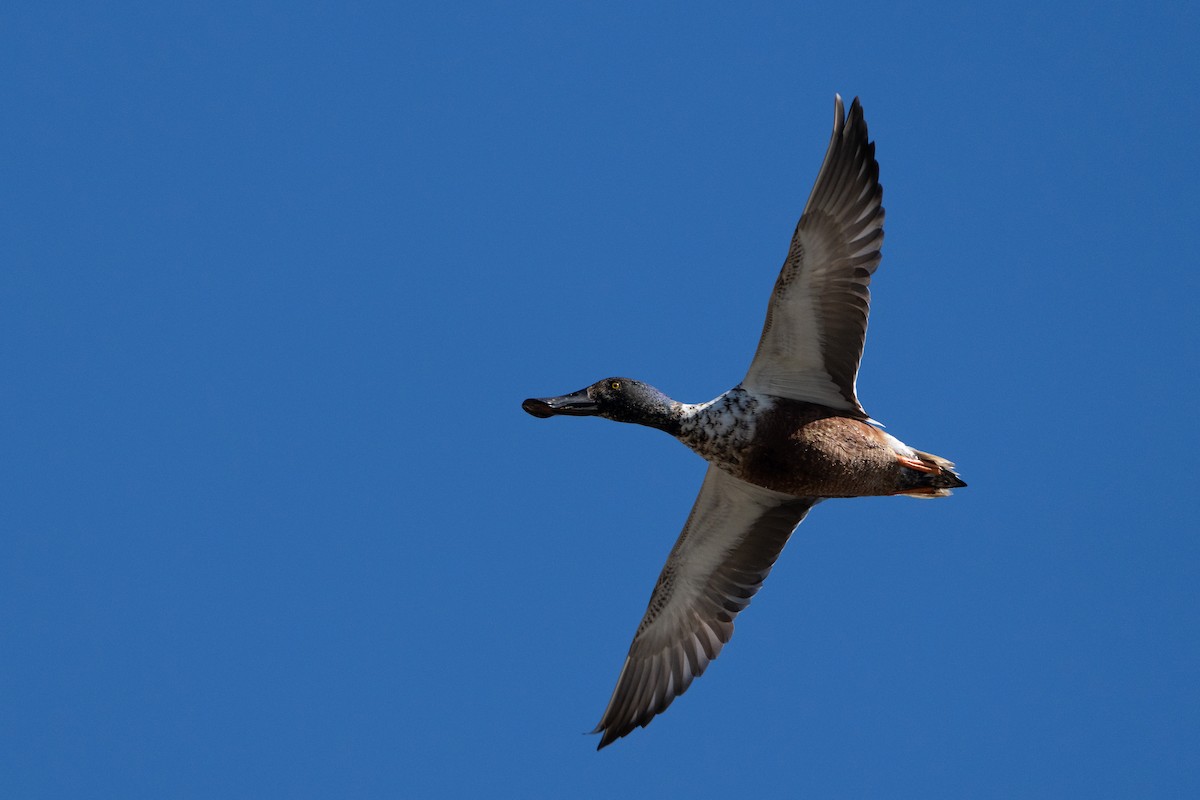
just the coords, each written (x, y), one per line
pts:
(929, 476)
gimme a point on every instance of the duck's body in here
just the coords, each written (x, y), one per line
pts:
(791, 434)
(807, 449)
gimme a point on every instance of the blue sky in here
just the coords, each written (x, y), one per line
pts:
(276, 277)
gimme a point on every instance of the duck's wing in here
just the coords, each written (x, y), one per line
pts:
(817, 318)
(732, 537)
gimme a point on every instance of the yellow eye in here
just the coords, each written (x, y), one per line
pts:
(615, 385)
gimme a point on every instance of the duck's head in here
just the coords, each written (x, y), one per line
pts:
(619, 399)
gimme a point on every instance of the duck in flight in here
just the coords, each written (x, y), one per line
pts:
(790, 435)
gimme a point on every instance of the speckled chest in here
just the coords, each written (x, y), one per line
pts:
(791, 446)
(723, 430)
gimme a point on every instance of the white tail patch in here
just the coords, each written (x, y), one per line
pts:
(927, 494)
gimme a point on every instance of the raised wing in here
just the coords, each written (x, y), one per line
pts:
(732, 537)
(816, 323)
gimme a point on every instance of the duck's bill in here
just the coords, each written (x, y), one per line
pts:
(576, 404)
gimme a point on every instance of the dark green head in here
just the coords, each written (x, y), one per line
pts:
(619, 399)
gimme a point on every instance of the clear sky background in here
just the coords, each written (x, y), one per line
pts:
(275, 278)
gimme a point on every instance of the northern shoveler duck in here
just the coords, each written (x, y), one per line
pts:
(791, 434)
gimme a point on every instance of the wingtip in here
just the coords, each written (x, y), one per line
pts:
(609, 735)
(608, 738)
(841, 119)
(855, 117)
